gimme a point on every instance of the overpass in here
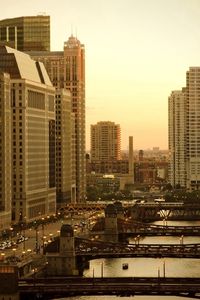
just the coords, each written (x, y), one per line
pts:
(144, 229)
(127, 227)
(148, 211)
(90, 249)
(151, 211)
(48, 288)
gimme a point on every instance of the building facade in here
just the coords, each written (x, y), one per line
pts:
(31, 33)
(33, 136)
(105, 141)
(65, 160)
(74, 81)
(177, 138)
(66, 69)
(184, 132)
(193, 127)
(5, 153)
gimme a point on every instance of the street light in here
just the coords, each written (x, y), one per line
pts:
(2, 256)
(14, 251)
(181, 240)
(102, 269)
(36, 240)
(11, 234)
(29, 251)
(43, 235)
(164, 268)
(51, 236)
(158, 275)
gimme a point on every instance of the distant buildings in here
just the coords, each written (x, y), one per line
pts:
(105, 169)
(30, 33)
(184, 132)
(32, 112)
(150, 170)
(105, 142)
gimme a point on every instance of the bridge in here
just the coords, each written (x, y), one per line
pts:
(144, 229)
(148, 211)
(128, 227)
(151, 211)
(91, 249)
(48, 288)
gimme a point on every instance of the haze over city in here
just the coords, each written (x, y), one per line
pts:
(136, 53)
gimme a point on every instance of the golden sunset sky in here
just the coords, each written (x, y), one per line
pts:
(137, 52)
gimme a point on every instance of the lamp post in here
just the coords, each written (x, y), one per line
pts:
(138, 240)
(11, 234)
(14, 251)
(43, 235)
(181, 240)
(164, 268)
(2, 256)
(158, 275)
(102, 269)
(36, 240)
(93, 274)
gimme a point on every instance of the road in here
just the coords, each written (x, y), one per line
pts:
(45, 234)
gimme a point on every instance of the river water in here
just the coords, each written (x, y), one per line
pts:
(172, 267)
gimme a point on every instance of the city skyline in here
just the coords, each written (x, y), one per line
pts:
(136, 53)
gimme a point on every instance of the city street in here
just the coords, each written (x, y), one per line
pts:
(36, 238)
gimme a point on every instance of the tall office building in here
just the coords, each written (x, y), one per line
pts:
(74, 80)
(177, 138)
(5, 153)
(105, 141)
(32, 101)
(193, 127)
(31, 33)
(67, 70)
(65, 160)
(184, 132)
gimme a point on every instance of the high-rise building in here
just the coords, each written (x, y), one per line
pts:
(31, 33)
(184, 132)
(65, 160)
(177, 138)
(32, 99)
(5, 153)
(66, 70)
(105, 141)
(74, 81)
(193, 127)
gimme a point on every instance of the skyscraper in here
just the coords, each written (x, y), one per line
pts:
(177, 138)
(74, 80)
(5, 153)
(67, 70)
(193, 127)
(31, 33)
(184, 132)
(65, 160)
(32, 99)
(105, 141)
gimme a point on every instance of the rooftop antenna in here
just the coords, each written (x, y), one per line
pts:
(42, 13)
(71, 30)
(76, 32)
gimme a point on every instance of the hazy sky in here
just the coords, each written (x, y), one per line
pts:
(137, 52)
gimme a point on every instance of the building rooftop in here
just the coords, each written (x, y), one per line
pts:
(21, 66)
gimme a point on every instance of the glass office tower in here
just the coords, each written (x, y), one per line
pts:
(30, 33)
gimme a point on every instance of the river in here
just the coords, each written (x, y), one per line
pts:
(172, 267)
